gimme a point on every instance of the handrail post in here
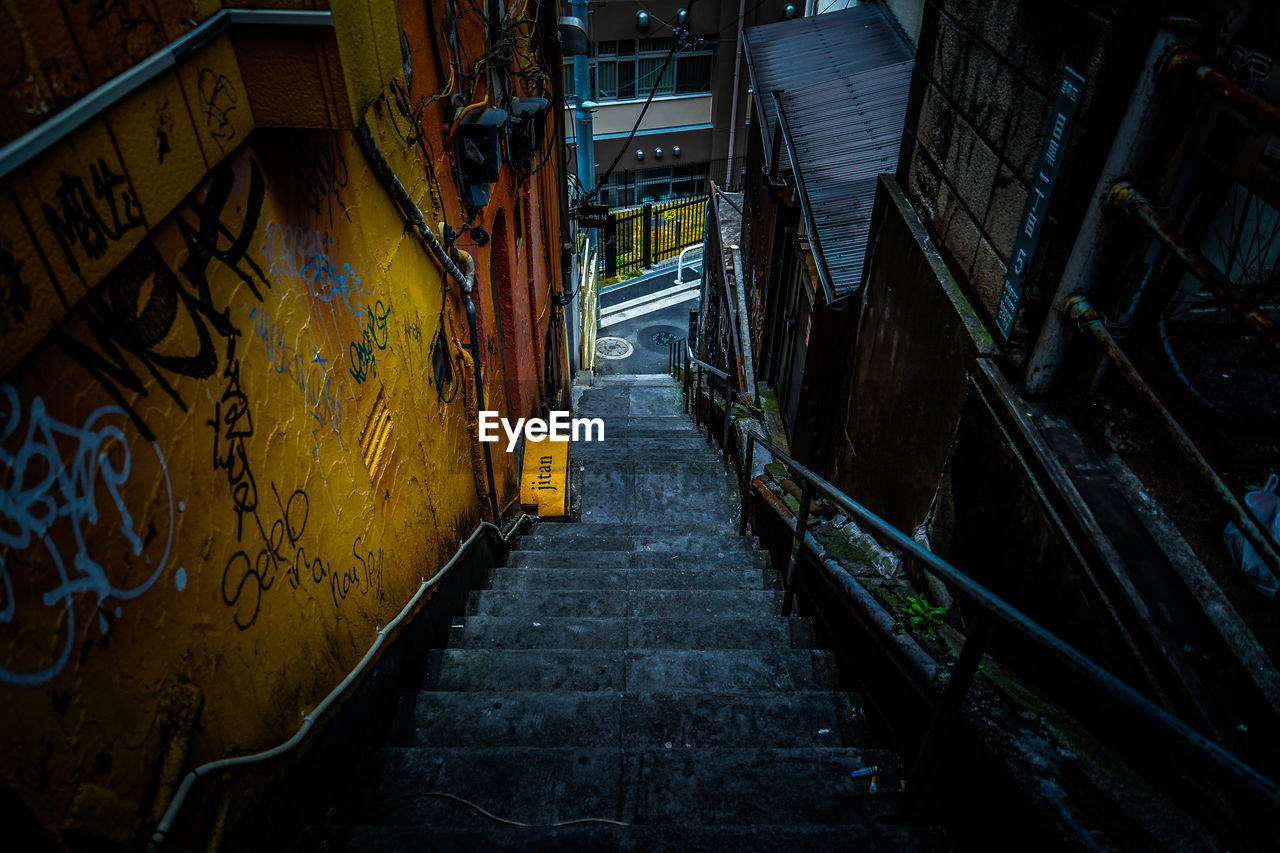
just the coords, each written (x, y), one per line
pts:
(697, 396)
(646, 245)
(711, 403)
(802, 521)
(728, 388)
(746, 482)
(687, 381)
(949, 704)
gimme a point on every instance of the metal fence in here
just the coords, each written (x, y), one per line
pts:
(637, 238)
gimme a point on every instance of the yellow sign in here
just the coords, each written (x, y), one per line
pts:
(544, 483)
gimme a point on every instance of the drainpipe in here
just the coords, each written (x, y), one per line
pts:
(733, 113)
(1132, 141)
(465, 280)
(582, 113)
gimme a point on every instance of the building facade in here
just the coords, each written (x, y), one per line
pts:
(1054, 359)
(242, 363)
(694, 129)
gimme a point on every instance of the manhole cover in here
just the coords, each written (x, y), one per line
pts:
(613, 348)
(663, 339)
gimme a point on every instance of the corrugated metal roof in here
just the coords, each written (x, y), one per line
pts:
(844, 78)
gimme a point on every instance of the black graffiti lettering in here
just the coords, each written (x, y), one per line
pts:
(320, 175)
(77, 220)
(123, 325)
(254, 578)
(15, 294)
(218, 100)
(232, 423)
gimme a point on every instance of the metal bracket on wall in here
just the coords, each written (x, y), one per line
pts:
(37, 140)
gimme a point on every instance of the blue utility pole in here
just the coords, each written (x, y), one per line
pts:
(582, 113)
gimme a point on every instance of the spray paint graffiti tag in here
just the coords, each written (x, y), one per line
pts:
(364, 358)
(60, 484)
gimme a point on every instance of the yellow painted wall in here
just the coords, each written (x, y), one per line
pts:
(223, 462)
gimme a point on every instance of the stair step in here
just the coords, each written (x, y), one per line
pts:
(566, 558)
(657, 532)
(544, 537)
(706, 632)
(729, 670)
(655, 492)
(472, 670)
(713, 577)
(645, 604)
(752, 838)
(800, 786)
(514, 718)
(606, 380)
(555, 632)
(635, 670)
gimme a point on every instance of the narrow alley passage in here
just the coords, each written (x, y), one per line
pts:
(626, 682)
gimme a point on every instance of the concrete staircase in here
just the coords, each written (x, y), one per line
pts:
(630, 671)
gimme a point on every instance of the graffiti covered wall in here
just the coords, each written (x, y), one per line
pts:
(230, 451)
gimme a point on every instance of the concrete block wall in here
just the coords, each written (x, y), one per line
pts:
(225, 462)
(985, 78)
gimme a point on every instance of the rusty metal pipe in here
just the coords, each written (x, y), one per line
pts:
(1133, 138)
(1186, 65)
(1092, 322)
(900, 647)
(1129, 200)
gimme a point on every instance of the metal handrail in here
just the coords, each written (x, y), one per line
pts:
(1093, 323)
(1214, 759)
(811, 225)
(673, 359)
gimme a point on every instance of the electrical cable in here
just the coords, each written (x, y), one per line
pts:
(509, 822)
(635, 127)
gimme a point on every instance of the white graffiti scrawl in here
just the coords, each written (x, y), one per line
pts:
(57, 483)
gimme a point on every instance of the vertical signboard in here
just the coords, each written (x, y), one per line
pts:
(1024, 245)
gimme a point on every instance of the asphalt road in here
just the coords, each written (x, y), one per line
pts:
(648, 334)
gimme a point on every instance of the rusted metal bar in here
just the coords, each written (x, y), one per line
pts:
(1191, 744)
(882, 626)
(728, 390)
(1092, 322)
(697, 397)
(802, 520)
(948, 707)
(687, 380)
(711, 405)
(1129, 200)
(1185, 64)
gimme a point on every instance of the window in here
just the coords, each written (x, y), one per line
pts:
(650, 185)
(627, 69)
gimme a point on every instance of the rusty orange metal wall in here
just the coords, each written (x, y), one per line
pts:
(223, 462)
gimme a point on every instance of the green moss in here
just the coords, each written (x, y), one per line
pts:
(845, 551)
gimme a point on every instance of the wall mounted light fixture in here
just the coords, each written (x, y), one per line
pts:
(642, 20)
(639, 154)
(675, 151)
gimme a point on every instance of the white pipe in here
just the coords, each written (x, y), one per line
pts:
(680, 261)
(733, 112)
(309, 719)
